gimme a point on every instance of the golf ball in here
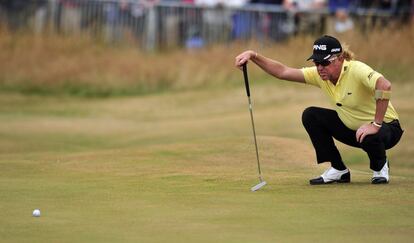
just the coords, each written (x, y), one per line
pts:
(36, 213)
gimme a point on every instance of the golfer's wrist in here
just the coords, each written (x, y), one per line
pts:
(254, 55)
(376, 124)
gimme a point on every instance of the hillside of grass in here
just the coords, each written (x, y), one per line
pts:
(56, 65)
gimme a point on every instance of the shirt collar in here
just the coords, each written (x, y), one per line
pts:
(344, 69)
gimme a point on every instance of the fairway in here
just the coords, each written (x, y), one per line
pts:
(178, 167)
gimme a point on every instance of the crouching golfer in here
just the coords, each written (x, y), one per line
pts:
(363, 116)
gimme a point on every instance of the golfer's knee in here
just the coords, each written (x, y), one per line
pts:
(370, 141)
(309, 115)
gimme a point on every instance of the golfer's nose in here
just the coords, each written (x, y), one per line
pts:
(319, 66)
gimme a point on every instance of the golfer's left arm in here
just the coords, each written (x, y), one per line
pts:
(382, 104)
(382, 85)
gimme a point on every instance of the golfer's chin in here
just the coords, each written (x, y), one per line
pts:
(324, 77)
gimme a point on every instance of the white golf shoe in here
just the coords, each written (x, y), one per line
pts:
(332, 175)
(382, 176)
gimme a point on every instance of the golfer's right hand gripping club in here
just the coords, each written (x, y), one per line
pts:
(246, 83)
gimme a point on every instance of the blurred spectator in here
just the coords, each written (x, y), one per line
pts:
(385, 11)
(389, 7)
(111, 11)
(334, 5)
(15, 12)
(150, 25)
(309, 17)
(216, 19)
(40, 16)
(91, 16)
(3, 12)
(302, 5)
(404, 10)
(343, 22)
(276, 2)
(412, 12)
(339, 20)
(194, 41)
(274, 25)
(213, 3)
(241, 25)
(71, 16)
(386, 4)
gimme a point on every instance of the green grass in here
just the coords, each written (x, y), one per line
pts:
(177, 167)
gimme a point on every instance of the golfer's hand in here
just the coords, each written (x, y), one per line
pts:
(244, 58)
(365, 130)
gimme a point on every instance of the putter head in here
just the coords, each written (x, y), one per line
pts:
(258, 186)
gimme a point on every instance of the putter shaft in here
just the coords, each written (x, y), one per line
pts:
(255, 140)
(246, 82)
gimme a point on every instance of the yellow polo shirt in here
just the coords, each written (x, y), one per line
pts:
(353, 96)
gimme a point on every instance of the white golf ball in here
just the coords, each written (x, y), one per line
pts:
(36, 213)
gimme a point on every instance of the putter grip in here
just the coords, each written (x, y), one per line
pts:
(246, 79)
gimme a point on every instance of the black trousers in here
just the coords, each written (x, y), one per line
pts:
(323, 125)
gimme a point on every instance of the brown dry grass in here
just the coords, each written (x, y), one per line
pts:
(56, 64)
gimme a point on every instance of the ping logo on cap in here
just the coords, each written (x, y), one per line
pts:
(319, 47)
(324, 47)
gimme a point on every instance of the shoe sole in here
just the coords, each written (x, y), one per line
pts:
(384, 181)
(331, 182)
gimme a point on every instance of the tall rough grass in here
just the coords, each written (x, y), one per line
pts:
(63, 65)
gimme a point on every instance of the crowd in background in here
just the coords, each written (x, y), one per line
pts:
(209, 21)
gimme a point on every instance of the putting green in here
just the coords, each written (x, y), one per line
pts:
(178, 167)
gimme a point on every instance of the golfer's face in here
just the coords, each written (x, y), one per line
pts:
(328, 69)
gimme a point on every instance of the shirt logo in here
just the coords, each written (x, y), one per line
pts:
(319, 47)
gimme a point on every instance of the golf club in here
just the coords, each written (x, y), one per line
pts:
(246, 82)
